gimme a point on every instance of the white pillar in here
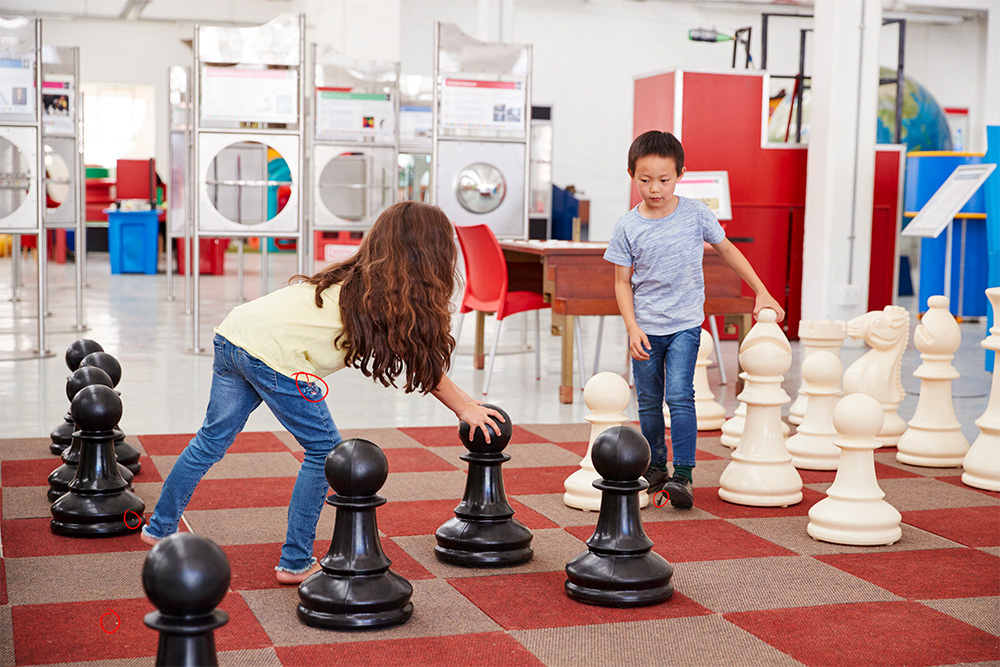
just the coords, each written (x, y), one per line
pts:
(363, 29)
(841, 163)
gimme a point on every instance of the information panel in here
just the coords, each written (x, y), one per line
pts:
(249, 95)
(482, 105)
(949, 199)
(17, 86)
(709, 187)
(57, 105)
(346, 116)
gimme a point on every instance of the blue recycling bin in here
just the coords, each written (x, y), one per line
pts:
(132, 241)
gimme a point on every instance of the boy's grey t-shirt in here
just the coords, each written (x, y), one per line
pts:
(668, 283)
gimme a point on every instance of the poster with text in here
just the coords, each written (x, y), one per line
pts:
(346, 116)
(711, 188)
(248, 95)
(483, 105)
(57, 105)
(17, 86)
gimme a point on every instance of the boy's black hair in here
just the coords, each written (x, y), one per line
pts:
(658, 143)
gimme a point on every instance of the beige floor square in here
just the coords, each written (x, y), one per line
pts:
(562, 432)
(439, 485)
(241, 466)
(22, 449)
(553, 548)
(991, 550)
(78, 578)
(438, 609)
(534, 455)
(707, 473)
(26, 502)
(713, 446)
(261, 657)
(120, 662)
(748, 584)
(983, 613)
(258, 525)
(386, 438)
(790, 532)
(551, 506)
(698, 640)
(6, 638)
(907, 495)
(889, 459)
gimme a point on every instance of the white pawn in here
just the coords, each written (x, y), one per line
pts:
(732, 430)
(709, 412)
(815, 335)
(854, 511)
(934, 438)
(761, 472)
(607, 396)
(812, 445)
(982, 462)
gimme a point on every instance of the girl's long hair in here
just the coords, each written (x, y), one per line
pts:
(395, 297)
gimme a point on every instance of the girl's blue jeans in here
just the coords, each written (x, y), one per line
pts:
(668, 375)
(240, 383)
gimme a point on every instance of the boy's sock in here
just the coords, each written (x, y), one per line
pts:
(660, 466)
(684, 471)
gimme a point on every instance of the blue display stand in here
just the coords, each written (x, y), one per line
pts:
(925, 172)
(991, 193)
(132, 241)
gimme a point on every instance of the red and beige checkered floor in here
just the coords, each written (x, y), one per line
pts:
(751, 587)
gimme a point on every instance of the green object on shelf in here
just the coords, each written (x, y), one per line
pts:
(98, 172)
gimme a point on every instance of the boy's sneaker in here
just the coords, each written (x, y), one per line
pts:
(681, 493)
(656, 477)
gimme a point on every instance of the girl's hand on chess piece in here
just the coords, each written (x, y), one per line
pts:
(478, 416)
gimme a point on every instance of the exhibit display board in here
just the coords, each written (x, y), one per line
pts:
(249, 95)
(710, 188)
(20, 126)
(62, 147)
(481, 142)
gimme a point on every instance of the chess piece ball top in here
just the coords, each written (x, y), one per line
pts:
(186, 574)
(767, 315)
(822, 368)
(106, 363)
(606, 393)
(500, 434)
(620, 454)
(96, 408)
(763, 358)
(356, 468)
(79, 349)
(858, 416)
(937, 301)
(84, 377)
(705, 345)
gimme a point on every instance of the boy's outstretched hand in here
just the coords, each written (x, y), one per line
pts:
(476, 415)
(765, 300)
(638, 344)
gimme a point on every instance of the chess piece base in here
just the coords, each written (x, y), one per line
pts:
(483, 544)
(864, 523)
(355, 602)
(62, 436)
(757, 485)
(77, 515)
(619, 581)
(986, 483)
(811, 452)
(932, 449)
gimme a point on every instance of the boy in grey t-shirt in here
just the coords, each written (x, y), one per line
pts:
(658, 248)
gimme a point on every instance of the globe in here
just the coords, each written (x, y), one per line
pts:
(925, 127)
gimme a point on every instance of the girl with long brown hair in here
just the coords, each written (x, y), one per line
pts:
(385, 311)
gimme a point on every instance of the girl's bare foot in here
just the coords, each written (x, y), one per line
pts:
(148, 539)
(287, 578)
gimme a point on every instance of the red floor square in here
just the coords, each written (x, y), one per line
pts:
(538, 600)
(527, 481)
(882, 471)
(717, 433)
(3, 582)
(149, 473)
(971, 526)
(245, 443)
(578, 448)
(869, 633)
(28, 472)
(447, 436)
(708, 499)
(680, 541)
(423, 517)
(70, 631)
(956, 480)
(218, 494)
(415, 459)
(493, 649)
(935, 574)
(33, 537)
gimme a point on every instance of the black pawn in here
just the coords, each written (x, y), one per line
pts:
(619, 569)
(355, 590)
(127, 455)
(60, 478)
(62, 435)
(98, 503)
(484, 532)
(186, 576)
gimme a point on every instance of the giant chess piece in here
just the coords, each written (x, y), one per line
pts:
(982, 462)
(815, 335)
(186, 576)
(812, 445)
(709, 412)
(98, 503)
(355, 589)
(854, 511)
(934, 436)
(732, 429)
(60, 478)
(127, 455)
(484, 532)
(619, 568)
(607, 396)
(879, 372)
(62, 435)
(761, 472)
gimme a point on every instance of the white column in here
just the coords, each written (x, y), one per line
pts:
(841, 163)
(363, 29)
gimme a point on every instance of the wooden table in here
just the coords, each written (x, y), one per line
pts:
(576, 280)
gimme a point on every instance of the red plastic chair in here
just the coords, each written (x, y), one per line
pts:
(486, 289)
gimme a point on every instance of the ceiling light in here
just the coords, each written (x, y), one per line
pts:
(133, 8)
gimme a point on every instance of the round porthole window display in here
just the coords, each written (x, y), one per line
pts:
(57, 178)
(480, 188)
(249, 182)
(15, 177)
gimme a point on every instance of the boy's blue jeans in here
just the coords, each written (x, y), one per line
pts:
(669, 374)
(239, 384)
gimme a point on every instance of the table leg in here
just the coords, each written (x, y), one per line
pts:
(478, 355)
(566, 375)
